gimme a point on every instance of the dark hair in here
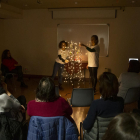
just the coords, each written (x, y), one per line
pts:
(95, 39)
(4, 54)
(60, 44)
(108, 85)
(125, 126)
(46, 90)
(134, 66)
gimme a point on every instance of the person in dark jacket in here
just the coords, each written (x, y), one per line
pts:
(109, 105)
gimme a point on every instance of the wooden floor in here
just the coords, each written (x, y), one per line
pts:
(79, 113)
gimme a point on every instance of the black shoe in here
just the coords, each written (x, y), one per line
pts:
(60, 87)
(23, 85)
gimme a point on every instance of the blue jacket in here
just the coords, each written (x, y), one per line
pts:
(51, 128)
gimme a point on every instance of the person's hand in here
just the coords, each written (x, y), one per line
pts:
(22, 109)
(66, 61)
(87, 67)
(8, 93)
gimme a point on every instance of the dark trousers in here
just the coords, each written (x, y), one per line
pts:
(18, 71)
(58, 68)
(93, 76)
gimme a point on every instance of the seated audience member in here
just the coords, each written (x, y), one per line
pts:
(13, 66)
(129, 79)
(9, 105)
(47, 103)
(109, 105)
(124, 127)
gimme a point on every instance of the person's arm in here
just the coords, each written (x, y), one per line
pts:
(60, 57)
(15, 104)
(10, 101)
(7, 63)
(89, 49)
(90, 119)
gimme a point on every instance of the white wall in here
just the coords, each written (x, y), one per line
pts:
(32, 40)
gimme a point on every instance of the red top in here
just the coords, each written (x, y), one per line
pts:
(9, 63)
(59, 107)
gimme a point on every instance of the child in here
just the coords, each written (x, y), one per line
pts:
(59, 62)
(93, 59)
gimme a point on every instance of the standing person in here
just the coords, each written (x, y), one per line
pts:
(59, 62)
(12, 66)
(93, 59)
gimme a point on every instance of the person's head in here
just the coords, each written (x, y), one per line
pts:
(63, 44)
(46, 90)
(6, 54)
(134, 66)
(94, 40)
(108, 85)
(125, 126)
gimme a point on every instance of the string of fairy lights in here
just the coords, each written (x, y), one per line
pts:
(73, 69)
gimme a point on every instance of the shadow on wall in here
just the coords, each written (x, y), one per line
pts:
(103, 50)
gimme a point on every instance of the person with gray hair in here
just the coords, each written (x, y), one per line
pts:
(47, 103)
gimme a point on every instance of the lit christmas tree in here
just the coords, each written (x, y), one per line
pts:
(73, 69)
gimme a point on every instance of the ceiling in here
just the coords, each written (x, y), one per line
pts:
(44, 4)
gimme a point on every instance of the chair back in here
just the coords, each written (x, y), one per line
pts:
(82, 97)
(132, 95)
(98, 130)
(51, 128)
